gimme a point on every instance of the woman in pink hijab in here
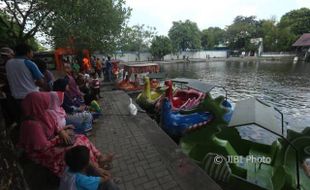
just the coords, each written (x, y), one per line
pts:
(74, 92)
(45, 138)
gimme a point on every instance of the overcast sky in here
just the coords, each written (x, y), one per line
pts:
(206, 13)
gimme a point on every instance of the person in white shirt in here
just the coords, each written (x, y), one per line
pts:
(23, 75)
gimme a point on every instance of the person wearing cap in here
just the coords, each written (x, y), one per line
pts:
(6, 54)
(23, 76)
(8, 111)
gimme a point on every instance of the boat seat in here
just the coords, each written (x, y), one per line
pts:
(217, 171)
(275, 149)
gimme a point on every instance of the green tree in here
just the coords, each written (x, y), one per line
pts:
(241, 31)
(291, 26)
(23, 19)
(185, 35)
(91, 24)
(161, 46)
(7, 37)
(298, 21)
(136, 38)
(285, 39)
(211, 37)
(270, 33)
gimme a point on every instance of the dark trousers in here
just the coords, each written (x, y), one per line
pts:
(98, 71)
(109, 185)
(12, 110)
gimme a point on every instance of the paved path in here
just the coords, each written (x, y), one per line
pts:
(147, 157)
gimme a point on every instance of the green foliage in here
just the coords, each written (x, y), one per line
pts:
(298, 21)
(270, 34)
(91, 24)
(23, 19)
(292, 25)
(7, 34)
(161, 46)
(185, 35)
(285, 40)
(211, 37)
(136, 38)
(241, 31)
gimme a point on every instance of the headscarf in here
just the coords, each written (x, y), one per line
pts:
(74, 90)
(60, 85)
(37, 131)
(56, 109)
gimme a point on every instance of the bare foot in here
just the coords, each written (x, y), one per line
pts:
(105, 159)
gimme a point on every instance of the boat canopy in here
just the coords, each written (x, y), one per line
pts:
(140, 68)
(183, 80)
(200, 86)
(157, 75)
(253, 111)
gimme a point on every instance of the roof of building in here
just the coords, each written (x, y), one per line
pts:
(304, 40)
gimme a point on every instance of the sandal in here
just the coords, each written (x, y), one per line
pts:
(107, 166)
(117, 180)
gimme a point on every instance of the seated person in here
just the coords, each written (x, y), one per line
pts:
(77, 116)
(48, 76)
(73, 91)
(83, 85)
(45, 141)
(81, 174)
(95, 86)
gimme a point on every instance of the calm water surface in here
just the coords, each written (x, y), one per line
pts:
(283, 84)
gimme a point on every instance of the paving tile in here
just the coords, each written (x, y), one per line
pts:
(146, 155)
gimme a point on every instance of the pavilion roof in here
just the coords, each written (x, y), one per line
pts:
(304, 40)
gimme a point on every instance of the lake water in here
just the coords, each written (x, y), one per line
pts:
(281, 83)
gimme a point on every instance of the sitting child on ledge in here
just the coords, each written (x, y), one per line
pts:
(82, 175)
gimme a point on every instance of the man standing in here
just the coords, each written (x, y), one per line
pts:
(108, 68)
(98, 67)
(23, 75)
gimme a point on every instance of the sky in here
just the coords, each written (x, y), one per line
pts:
(206, 13)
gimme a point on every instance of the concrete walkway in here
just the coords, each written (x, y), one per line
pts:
(146, 157)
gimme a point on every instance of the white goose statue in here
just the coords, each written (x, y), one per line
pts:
(133, 110)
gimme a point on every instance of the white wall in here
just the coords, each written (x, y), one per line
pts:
(127, 57)
(197, 55)
(278, 54)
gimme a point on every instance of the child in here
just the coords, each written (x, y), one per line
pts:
(95, 86)
(81, 174)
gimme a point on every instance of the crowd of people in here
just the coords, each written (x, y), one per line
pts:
(55, 117)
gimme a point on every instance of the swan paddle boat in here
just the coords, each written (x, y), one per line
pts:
(180, 97)
(148, 97)
(241, 163)
(178, 122)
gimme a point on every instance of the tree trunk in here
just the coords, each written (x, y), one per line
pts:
(11, 175)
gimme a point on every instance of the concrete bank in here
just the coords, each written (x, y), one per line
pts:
(146, 157)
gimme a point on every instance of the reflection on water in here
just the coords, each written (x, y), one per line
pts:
(282, 84)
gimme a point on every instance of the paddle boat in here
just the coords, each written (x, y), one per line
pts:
(237, 162)
(136, 71)
(148, 97)
(177, 122)
(180, 97)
